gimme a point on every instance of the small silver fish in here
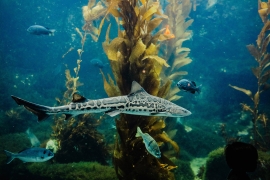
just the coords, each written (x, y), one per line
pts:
(150, 144)
(40, 30)
(31, 155)
(33, 139)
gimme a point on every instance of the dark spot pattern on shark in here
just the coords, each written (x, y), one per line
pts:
(137, 102)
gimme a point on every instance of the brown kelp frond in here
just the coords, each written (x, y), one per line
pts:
(172, 133)
(135, 49)
(263, 9)
(112, 49)
(15, 113)
(263, 119)
(245, 107)
(247, 92)
(174, 98)
(181, 60)
(110, 88)
(261, 38)
(176, 33)
(171, 96)
(154, 23)
(163, 137)
(262, 73)
(157, 125)
(92, 12)
(158, 59)
(163, 91)
(72, 84)
(177, 75)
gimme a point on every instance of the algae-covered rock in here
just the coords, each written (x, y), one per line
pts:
(262, 171)
(71, 171)
(183, 170)
(216, 166)
(197, 142)
(14, 142)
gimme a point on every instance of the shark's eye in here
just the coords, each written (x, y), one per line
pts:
(44, 152)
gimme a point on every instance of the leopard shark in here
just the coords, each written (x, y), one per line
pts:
(137, 102)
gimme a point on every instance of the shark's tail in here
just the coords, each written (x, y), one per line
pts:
(39, 110)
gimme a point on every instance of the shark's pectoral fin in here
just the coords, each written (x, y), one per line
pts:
(113, 113)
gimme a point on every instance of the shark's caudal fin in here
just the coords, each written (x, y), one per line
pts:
(39, 110)
(10, 156)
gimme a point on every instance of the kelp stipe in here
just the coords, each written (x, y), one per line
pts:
(260, 120)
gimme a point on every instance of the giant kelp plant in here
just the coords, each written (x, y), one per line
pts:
(260, 120)
(173, 49)
(78, 140)
(134, 56)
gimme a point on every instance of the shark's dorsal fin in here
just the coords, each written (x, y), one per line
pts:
(78, 98)
(136, 88)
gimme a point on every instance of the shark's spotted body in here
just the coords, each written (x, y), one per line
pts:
(137, 102)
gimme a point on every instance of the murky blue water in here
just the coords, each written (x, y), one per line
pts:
(33, 67)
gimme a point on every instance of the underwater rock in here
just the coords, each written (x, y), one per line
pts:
(196, 164)
(217, 168)
(183, 170)
(71, 171)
